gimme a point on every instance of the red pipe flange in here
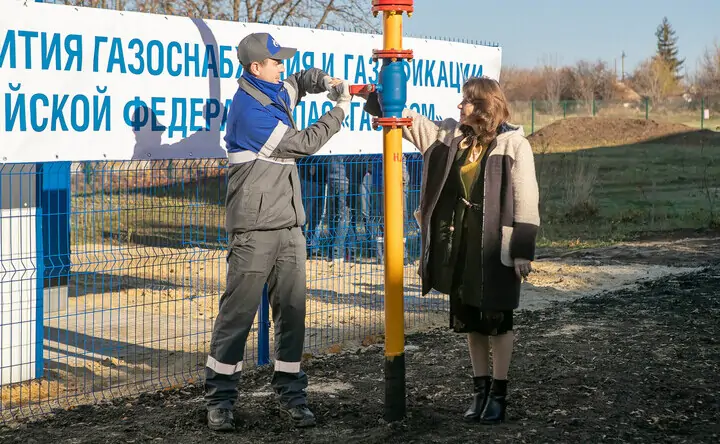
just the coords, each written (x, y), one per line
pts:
(393, 54)
(392, 5)
(391, 122)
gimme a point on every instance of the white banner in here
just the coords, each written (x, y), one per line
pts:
(79, 82)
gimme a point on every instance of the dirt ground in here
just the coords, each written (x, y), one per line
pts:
(587, 132)
(612, 358)
(139, 322)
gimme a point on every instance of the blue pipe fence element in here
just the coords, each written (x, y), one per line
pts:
(111, 272)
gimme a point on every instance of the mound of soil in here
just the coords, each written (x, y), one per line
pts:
(634, 365)
(588, 132)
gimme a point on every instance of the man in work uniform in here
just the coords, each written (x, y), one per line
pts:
(264, 219)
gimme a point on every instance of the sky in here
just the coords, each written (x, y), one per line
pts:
(571, 30)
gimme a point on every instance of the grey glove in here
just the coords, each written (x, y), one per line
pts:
(327, 82)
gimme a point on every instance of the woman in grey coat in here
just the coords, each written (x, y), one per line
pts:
(479, 220)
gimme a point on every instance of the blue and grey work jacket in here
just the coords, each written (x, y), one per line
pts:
(263, 142)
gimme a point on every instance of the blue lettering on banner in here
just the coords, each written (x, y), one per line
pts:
(37, 111)
(116, 57)
(420, 72)
(81, 112)
(308, 113)
(196, 111)
(360, 76)
(51, 49)
(192, 57)
(157, 111)
(155, 57)
(8, 50)
(226, 64)
(299, 62)
(67, 112)
(441, 74)
(348, 58)
(186, 115)
(210, 62)
(328, 64)
(137, 46)
(376, 72)
(213, 111)
(24, 49)
(178, 120)
(313, 115)
(226, 109)
(174, 68)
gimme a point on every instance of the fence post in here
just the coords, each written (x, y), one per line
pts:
(593, 107)
(532, 113)
(264, 329)
(702, 112)
(39, 294)
(53, 191)
(647, 108)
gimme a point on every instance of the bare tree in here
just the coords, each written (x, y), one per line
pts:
(521, 84)
(553, 81)
(352, 15)
(708, 72)
(655, 79)
(592, 81)
(584, 81)
(333, 14)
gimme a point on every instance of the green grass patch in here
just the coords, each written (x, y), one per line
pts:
(589, 197)
(179, 215)
(605, 195)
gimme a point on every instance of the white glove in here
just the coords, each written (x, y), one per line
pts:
(340, 93)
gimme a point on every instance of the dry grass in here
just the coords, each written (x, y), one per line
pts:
(29, 392)
(579, 182)
(544, 114)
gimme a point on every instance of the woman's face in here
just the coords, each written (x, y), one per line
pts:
(466, 108)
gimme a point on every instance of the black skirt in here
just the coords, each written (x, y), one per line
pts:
(469, 319)
(466, 318)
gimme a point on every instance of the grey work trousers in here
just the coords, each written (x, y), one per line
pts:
(254, 258)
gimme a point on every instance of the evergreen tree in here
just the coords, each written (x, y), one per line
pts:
(667, 49)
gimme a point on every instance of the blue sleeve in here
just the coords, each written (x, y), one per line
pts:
(254, 128)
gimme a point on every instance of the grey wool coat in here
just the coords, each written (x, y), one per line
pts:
(509, 206)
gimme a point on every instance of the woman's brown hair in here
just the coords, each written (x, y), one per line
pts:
(490, 110)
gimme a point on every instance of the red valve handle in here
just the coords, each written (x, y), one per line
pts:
(357, 89)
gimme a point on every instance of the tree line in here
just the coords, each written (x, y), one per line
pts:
(330, 14)
(659, 77)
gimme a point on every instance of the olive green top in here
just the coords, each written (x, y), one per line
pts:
(468, 171)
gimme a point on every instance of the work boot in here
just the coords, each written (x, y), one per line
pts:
(221, 420)
(301, 415)
(481, 388)
(494, 410)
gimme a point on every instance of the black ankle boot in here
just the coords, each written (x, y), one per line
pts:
(494, 410)
(481, 388)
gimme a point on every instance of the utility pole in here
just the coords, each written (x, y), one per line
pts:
(622, 72)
